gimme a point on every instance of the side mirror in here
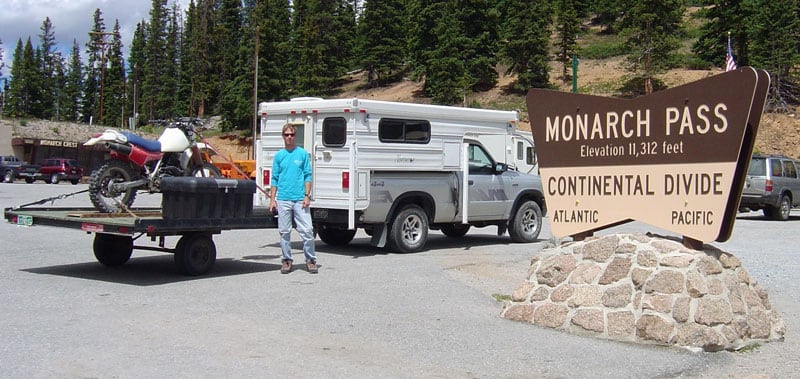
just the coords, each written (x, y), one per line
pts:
(500, 168)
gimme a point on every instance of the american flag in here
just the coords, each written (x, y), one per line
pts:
(730, 64)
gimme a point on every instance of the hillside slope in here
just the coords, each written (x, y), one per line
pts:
(777, 134)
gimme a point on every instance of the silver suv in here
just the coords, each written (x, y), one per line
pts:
(772, 184)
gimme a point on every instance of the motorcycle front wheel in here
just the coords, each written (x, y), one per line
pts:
(207, 171)
(102, 196)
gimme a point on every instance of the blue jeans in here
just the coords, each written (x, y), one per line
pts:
(288, 210)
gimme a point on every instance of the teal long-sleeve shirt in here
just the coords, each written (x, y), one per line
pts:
(290, 171)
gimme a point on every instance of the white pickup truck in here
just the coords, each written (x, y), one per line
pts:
(397, 170)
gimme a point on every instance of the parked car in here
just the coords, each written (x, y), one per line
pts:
(54, 170)
(9, 167)
(773, 185)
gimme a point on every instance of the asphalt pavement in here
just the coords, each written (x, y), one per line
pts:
(367, 313)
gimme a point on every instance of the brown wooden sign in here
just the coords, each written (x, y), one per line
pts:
(675, 159)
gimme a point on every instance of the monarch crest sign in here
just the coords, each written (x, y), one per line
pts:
(675, 159)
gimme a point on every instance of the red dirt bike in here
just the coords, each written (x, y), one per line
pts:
(138, 164)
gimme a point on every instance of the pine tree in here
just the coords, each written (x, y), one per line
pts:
(526, 36)
(382, 46)
(31, 74)
(95, 61)
(774, 28)
(723, 17)
(274, 21)
(172, 66)
(323, 35)
(155, 104)
(203, 53)
(16, 95)
(73, 84)
(3, 82)
(459, 51)
(49, 62)
(447, 78)
(136, 61)
(237, 106)
(480, 20)
(114, 113)
(651, 29)
(568, 26)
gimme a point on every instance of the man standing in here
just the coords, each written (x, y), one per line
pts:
(290, 193)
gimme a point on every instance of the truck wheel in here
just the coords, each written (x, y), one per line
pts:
(409, 230)
(455, 230)
(195, 254)
(526, 223)
(8, 177)
(112, 250)
(782, 211)
(335, 237)
(99, 192)
(54, 178)
(208, 170)
(74, 181)
(28, 180)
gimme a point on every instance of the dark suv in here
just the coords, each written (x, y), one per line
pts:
(772, 184)
(54, 170)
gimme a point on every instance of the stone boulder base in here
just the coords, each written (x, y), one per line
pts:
(646, 289)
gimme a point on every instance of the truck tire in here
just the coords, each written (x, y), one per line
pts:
(195, 254)
(335, 237)
(29, 180)
(455, 230)
(102, 198)
(409, 230)
(782, 211)
(526, 222)
(112, 250)
(8, 177)
(54, 179)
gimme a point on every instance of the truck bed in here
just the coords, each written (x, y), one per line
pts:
(140, 220)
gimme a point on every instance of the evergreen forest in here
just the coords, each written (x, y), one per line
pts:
(221, 57)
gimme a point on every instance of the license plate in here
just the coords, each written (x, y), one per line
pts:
(25, 220)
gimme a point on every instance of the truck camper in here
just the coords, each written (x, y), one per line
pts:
(397, 170)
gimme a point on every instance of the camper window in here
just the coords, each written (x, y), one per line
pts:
(404, 131)
(334, 131)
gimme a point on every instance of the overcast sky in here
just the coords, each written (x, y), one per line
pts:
(71, 19)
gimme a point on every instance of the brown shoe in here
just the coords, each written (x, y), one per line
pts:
(312, 267)
(286, 266)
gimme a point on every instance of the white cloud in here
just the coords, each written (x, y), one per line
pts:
(71, 20)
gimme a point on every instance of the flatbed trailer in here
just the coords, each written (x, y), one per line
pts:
(114, 234)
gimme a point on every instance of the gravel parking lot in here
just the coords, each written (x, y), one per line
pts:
(367, 314)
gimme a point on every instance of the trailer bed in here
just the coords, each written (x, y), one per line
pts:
(139, 220)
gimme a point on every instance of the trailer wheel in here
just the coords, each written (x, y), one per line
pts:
(526, 223)
(112, 250)
(409, 230)
(195, 254)
(455, 230)
(8, 177)
(335, 237)
(28, 180)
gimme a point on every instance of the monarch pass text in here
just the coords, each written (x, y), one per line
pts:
(702, 119)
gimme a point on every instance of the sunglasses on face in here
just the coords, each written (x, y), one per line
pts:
(288, 134)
